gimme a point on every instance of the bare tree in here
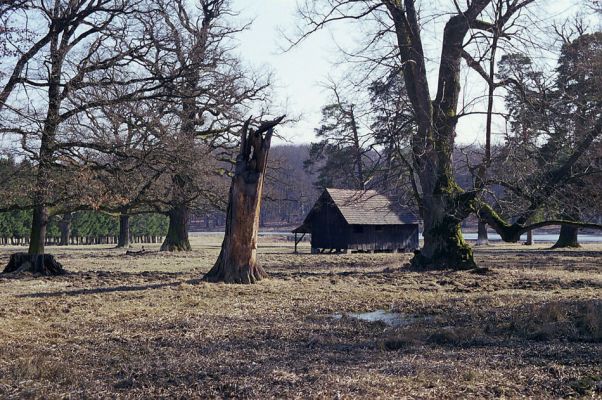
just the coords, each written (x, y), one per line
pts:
(88, 48)
(206, 101)
(550, 114)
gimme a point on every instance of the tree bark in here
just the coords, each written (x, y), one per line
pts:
(39, 223)
(123, 239)
(529, 241)
(568, 237)
(177, 233)
(358, 151)
(444, 204)
(482, 236)
(444, 246)
(237, 261)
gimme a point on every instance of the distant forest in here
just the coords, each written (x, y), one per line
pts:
(290, 192)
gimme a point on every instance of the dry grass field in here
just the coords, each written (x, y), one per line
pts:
(141, 327)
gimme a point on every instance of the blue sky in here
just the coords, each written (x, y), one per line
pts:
(299, 72)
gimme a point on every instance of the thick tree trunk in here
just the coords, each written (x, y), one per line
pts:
(237, 261)
(482, 236)
(123, 239)
(568, 237)
(177, 233)
(529, 241)
(36, 261)
(444, 246)
(444, 205)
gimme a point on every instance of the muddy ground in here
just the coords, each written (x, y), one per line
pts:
(121, 326)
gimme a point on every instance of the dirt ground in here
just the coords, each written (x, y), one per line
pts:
(122, 326)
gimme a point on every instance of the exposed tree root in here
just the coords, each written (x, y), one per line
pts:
(42, 264)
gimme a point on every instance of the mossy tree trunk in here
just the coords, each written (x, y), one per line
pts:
(444, 207)
(177, 232)
(443, 204)
(237, 261)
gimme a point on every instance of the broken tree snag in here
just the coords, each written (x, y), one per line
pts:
(237, 261)
(42, 264)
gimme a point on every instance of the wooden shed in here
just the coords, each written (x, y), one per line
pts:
(357, 220)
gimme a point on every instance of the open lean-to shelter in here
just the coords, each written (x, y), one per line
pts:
(358, 220)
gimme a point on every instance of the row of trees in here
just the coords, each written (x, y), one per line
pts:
(82, 227)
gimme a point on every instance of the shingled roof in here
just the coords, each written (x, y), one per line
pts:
(368, 207)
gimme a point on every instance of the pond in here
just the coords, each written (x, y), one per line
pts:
(388, 318)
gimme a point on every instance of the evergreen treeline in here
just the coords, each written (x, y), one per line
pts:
(83, 227)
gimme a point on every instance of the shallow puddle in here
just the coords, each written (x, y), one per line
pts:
(386, 317)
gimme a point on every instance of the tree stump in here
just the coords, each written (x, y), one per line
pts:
(237, 261)
(42, 264)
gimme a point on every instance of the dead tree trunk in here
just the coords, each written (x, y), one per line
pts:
(237, 261)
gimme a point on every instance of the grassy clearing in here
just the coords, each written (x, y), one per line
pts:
(144, 327)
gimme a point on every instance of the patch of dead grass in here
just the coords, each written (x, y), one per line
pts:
(144, 327)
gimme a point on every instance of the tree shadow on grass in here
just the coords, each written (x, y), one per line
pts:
(325, 273)
(167, 275)
(110, 289)
(526, 252)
